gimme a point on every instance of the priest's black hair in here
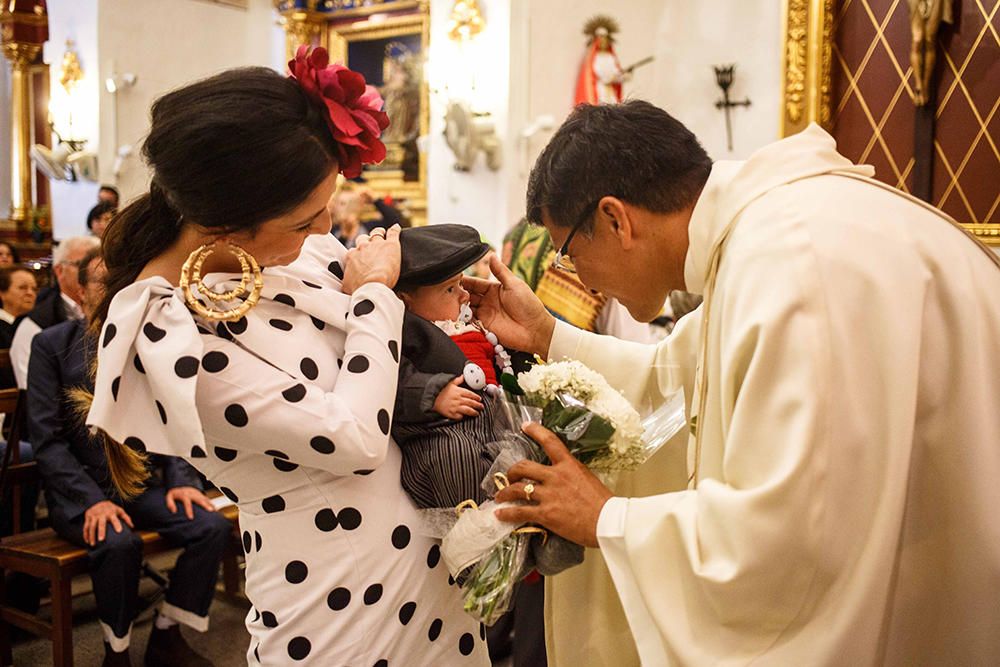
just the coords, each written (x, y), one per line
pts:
(634, 151)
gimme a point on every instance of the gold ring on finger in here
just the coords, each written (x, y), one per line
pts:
(529, 488)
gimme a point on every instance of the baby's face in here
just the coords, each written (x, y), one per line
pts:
(438, 302)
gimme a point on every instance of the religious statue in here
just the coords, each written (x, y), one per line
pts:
(601, 75)
(926, 17)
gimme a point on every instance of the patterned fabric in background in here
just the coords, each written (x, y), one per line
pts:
(563, 294)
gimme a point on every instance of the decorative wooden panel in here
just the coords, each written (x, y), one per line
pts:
(873, 113)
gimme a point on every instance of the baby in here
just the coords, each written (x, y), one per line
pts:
(449, 367)
(446, 417)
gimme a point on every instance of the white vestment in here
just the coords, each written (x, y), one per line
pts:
(849, 474)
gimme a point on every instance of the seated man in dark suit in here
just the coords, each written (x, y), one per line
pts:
(85, 509)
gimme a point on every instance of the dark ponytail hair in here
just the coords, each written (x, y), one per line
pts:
(228, 153)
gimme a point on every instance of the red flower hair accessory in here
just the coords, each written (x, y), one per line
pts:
(353, 109)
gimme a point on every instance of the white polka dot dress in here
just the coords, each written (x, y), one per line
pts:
(288, 411)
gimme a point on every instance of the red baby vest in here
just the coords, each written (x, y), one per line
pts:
(478, 350)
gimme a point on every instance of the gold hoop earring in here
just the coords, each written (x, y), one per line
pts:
(251, 284)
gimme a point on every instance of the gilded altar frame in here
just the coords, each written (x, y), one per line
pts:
(339, 37)
(807, 77)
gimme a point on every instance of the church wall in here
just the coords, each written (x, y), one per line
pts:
(165, 44)
(76, 20)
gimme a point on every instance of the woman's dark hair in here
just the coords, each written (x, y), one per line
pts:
(634, 151)
(83, 266)
(227, 153)
(13, 252)
(99, 210)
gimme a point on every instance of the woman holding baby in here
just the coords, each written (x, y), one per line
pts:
(277, 383)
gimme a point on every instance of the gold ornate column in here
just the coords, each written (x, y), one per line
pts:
(302, 26)
(806, 64)
(25, 28)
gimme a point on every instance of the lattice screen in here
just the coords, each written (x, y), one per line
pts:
(873, 113)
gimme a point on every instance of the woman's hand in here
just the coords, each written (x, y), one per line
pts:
(374, 259)
(511, 310)
(455, 401)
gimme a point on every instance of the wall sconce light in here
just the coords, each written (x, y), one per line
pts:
(466, 20)
(117, 82)
(724, 78)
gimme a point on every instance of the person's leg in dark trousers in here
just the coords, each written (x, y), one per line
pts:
(529, 623)
(115, 564)
(204, 540)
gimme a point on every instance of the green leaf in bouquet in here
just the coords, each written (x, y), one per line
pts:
(584, 433)
(509, 383)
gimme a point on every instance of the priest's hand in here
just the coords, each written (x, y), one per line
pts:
(565, 497)
(511, 310)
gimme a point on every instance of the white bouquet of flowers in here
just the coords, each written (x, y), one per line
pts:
(598, 426)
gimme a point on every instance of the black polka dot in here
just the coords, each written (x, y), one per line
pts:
(309, 369)
(256, 615)
(382, 663)
(153, 332)
(115, 386)
(198, 453)
(318, 323)
(451, 580)
(401, 537)
(256, 653)
(433, 556)
(384, 421)
(136, 444)
(326, 520)
(466, 644)
(394, 350)
(110, 332)
(482, 631)
(257, 540)
(313, 285)
(237, 416)
(338, 599)
(373, 594)
(224, 453)
(137, 362)
(363, 472)
(273, 504)
(162, 411)
(229, 494)
(358, 364)
(223, 332)
(284, 466)
(363, 307)
(186, 367)
(349, 518)
(340, 363)
(299, 648)
(322, 445)
(435, 630)
(336, 269)
(280, 325)
(215, 361)
(247, 542)
(296, 572)
(285, 299)
(276, 453)
(270, 621)
(406, 612)
(294, 394)
(237, 327)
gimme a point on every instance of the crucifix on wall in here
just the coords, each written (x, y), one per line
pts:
(926, 17)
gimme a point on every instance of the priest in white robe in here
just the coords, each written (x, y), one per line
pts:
(842, 375)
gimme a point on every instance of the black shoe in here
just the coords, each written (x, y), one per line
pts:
(112, 659)
(167, 648)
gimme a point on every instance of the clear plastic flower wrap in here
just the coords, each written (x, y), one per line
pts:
(599, 427)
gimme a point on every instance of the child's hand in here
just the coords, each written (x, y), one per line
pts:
(456, 402)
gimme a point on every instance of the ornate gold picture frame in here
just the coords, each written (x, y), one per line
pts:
(807, 76)
(391, 53)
